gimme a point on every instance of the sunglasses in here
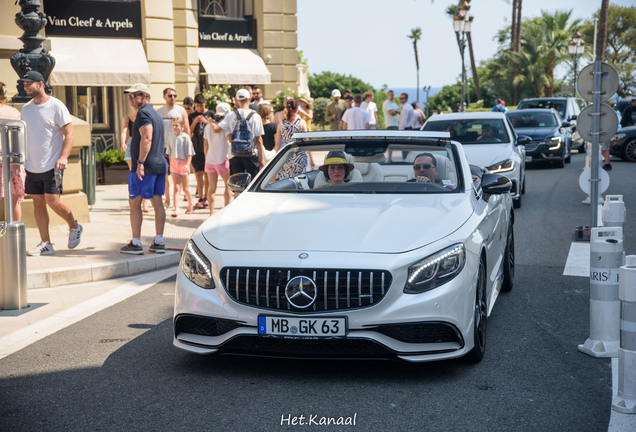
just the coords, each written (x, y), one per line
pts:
(172, 96)
(134, 95)
(422, 167)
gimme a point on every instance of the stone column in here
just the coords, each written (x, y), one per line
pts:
(32, 56)
(158, 35)
(277, 42)
(186, 42)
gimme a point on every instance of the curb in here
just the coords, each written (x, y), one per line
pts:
(97, 272)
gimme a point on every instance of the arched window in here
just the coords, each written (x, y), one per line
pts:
(222, 8)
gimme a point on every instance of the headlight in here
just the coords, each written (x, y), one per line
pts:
(196, 266)
(618, 137)
(554, 142)
(436, 270)
(503, 166)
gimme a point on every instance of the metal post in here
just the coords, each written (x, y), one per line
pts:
(463, 43)
(575, 75)
(13, 274)
(596, 100)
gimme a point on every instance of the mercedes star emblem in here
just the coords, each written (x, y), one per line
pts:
(303, 256)
(301, 292)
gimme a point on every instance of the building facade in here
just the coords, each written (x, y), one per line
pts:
(103, 46)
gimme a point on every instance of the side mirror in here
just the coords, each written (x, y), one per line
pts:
(566, 124)
(238, 182)
(523, 140)
(495, 184)
(573, 117)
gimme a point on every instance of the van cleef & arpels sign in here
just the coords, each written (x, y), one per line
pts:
(223, 33)
(92, 18)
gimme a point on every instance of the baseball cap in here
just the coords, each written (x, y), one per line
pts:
(32, 76)
(243, 94)
(335, 93)
(223, 109)
(138, 87)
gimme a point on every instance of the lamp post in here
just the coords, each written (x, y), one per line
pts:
(576, 47)
(427, 89)
(462, 23)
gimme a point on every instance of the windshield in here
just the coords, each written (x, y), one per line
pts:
(521, 119)
(367, 167)
(558, 105)
(471, 131)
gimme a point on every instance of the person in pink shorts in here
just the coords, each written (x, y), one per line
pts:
(180, 151)
(18, 174)
(216, 160)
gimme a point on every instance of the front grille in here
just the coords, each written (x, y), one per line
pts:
(203, 326)
(428, 332)
(298, 348)
(336, 289)
(533, 145)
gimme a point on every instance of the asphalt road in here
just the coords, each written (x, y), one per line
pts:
(118, 371)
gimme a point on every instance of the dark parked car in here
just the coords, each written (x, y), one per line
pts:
(568, 108)
(551, 137)
(623, 144)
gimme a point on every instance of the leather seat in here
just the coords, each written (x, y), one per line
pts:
(371, 172)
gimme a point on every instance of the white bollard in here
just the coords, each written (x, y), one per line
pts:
(625, 401)
(606, 257)
(614, 212)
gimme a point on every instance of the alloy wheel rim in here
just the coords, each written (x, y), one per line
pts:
(630, 150)
(480, 310)
(511, 254)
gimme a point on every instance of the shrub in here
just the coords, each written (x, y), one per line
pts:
(319, 108)
(217, 94)
(111, 156)
(279, 100)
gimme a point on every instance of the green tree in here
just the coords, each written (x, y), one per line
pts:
(415, 35)
(322, 84)
(319, 107)
(621, 43)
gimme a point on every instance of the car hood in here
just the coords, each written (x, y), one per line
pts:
(486, 155)
(538, 133)
(336, 223)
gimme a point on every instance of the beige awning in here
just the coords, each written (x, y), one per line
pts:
(98, 62)
(234, 66)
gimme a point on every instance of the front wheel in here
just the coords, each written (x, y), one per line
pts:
(509, 261)
(629, 151)
(560, 163)
(516, 203)
(480, 319)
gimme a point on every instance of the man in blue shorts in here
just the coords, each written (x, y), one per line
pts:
(147, 177)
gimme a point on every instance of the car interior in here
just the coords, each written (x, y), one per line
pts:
(532, 120)
(469, 131)
(394, 165)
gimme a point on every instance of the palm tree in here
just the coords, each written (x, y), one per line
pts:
(416, 34)
(601, 41)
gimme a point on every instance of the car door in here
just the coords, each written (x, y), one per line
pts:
(519, 150)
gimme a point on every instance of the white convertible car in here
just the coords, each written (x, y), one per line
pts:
(404, 259)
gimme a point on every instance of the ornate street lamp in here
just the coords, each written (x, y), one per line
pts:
(576, 47)
(462, 23)
(32, 56)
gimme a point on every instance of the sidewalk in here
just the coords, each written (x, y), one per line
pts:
(97, 257)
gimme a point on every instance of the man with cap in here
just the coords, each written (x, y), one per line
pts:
(49, 142)
(147, 178)
(334, 110)
(244, 163)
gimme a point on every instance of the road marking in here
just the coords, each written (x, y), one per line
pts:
(26, 336)
(578, 263)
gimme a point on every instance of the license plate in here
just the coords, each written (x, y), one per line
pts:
(302, 328)
(528, 158)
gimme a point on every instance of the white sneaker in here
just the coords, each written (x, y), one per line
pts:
(42, 249)
(75, 236)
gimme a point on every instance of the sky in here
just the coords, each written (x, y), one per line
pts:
(368, 38)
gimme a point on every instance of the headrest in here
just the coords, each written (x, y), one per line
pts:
(362, 167)
(379, 158)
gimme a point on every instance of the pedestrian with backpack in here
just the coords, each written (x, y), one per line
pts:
(499, 107)
(244, 130)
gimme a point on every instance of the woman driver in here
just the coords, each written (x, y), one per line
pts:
(336, 168)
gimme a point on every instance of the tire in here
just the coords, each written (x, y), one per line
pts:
(509, 261)
(629, 151)
(480, 323)
(560, 163)
(523, 186)
(516, 203)
(569, 158)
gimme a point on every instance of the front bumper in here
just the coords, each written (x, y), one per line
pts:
(542, 152)
(422, 327)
